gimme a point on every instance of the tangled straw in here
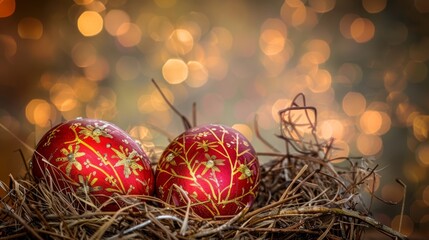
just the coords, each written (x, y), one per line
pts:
(303, 195)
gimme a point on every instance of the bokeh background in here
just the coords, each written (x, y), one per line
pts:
(362, 63)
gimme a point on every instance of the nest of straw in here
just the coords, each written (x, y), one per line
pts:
(302, 195)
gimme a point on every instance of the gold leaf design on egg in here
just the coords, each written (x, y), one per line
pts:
(212, 163)
(95, 132)
(69, 158)
(128, 160)
(87, 185)
(50, 137)
(246, 173)
(206, 145)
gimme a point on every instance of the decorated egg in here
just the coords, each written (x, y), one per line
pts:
(94, 158)
(213, 167)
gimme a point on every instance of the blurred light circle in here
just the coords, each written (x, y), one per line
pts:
(198, 74)
(354, 104)
(180, 41)
(175, 71)
(271, 42)
(362, 30)
(30, 28)
(114, 19)
(129, 34)
(90, 23)
(368, 144)
(7, 8)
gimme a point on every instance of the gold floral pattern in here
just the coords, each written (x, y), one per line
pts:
(95, 132)
(69, 158)
(206, 145)
(212, 163)
(128, 160)
(215, 165)
(95, 156)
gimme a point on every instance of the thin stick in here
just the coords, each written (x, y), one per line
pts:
(24, 223)
(344, 212)
(185, 121)
(224, 226)
(188, 209)
(403, 202)
(194, 114)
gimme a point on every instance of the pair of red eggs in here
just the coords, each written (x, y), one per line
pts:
(213, 167)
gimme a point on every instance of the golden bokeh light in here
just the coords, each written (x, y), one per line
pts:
(320, 81)
(217, 67)
(370, 122)
(180, 42)
(322, 6)
(103, 105)
(63, 97)
(114, 20)
(374, 6)
(345, 24)
(129, 34)
(354, 104)
(30, 28)
(278, 105)
(271, 42)
(244, 129)
(40, 112)
(7, 8)
(198, 75)
(10, 46)
(420, 125)
(332, 128)
(221, 37)
(394, 81)
(98, 70)
(362, 30)
(157, 101)
(175, 71)
(90, 23)
(84, 89)
(423, 154)
(319, 50)
(369, 145)
(159, 28)
(84, 54)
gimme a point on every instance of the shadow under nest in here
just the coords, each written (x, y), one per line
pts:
(303, 194)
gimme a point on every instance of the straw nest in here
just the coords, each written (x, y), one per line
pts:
(302, 195)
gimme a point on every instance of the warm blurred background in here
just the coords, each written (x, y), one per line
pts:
(362, 63)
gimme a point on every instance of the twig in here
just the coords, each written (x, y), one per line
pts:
(185, 121)
(344, 212)
(224, 226)
(403, 202)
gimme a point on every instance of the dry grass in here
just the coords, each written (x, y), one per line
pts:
(302, 195)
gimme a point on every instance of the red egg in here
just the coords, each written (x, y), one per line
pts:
(214, 165)
(94, 158)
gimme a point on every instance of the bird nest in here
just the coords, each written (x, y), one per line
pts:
(303, 194)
